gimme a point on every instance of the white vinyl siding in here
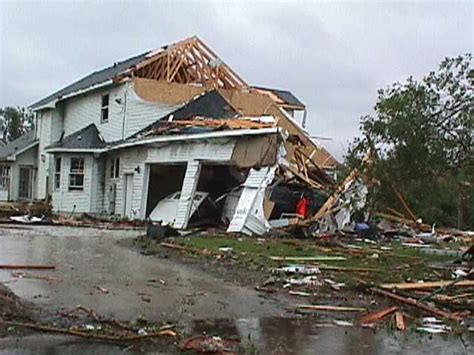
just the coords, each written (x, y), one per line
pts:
(130, 160)
(81, 111)
(141, 113)
(75, 200)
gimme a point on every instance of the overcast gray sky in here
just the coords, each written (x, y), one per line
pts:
(332, 55)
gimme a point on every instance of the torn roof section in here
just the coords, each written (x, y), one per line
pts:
(210, 104)
(19, 145)
(283, 98)
(88, 138)
(189, 61)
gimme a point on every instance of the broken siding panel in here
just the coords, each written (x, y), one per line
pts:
(74, 201)
(83, 110)
(185, 151)
(141, 113)
(190, 182)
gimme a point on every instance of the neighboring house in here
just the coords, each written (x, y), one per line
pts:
(18, 168)
(104, 144)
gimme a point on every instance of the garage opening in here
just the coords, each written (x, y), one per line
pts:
(164, 180)
(221, 185)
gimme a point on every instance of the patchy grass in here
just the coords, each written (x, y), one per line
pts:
(399, 264)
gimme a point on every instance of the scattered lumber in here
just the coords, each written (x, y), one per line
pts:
(376, 316)
(427, 285)
(24, 266)
(311, 307)
(414, 303)
(308, 258)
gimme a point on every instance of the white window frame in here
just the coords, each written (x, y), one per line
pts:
(5, 177)
(104, 108)
(57, 173)
(114, 172)
(75, 173)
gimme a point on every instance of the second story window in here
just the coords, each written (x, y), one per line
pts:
(57, 173)
(114, 168)
(104, 110)
(76, 174)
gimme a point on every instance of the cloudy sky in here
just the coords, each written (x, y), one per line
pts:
(332, 55)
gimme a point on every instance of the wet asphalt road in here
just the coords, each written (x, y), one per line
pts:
(88, 259)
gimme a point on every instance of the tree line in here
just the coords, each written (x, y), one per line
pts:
(14, 122)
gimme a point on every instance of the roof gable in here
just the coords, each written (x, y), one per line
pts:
(87, 138)
(18, 144)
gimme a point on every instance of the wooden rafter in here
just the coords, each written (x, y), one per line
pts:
(188, 61)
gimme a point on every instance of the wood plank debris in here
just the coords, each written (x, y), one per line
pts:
(308, 258)
(427, 285)
(312, 307)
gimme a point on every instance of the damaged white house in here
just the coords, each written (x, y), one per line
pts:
(160, 135)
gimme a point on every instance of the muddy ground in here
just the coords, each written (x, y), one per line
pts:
(134, 280)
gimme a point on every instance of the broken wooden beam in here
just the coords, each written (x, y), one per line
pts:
(312, 307)
(25, 266)
(416, 304)
(427, 285)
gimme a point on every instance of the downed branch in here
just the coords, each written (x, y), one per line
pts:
(77, 333)
(36, 267)
(100, 319)
(414, 303)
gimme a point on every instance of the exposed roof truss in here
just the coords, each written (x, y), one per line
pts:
(190, 61)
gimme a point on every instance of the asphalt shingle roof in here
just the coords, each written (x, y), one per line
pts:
(87, 138)
(18, 144)
(208, 105)
(94, 78)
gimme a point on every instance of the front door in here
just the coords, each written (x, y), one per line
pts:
(128, 195)
(25, 187)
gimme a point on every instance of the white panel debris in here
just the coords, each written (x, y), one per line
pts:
(190, 182)
(249, 216)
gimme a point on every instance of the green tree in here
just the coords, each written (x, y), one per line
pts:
(422, 137)
(15, 122)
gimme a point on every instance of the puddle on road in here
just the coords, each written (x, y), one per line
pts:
(268, 336)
